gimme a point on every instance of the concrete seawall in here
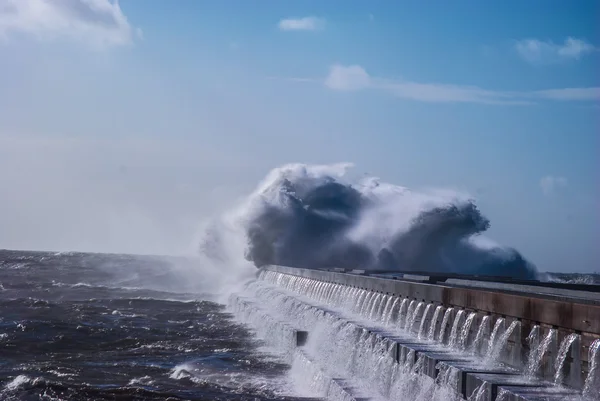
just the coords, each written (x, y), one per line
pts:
(560, 324)
(570, 313)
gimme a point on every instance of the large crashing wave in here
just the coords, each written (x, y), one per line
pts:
(308, 216)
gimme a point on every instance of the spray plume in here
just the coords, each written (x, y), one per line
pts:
(309, 216)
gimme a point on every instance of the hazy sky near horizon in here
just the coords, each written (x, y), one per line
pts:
(124, 125)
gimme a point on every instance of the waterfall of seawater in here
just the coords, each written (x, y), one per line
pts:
(388, 308)
(392, 314)
(370, 361)
(479, 394)
(444, 324)
(464, 333)
(410, 324)
(533, 339)
(409, 313)
(374, 306)
(421, 332)
(409, 382)
(537, 350)
(322, 290)
(359, 301)
(309, 378)
(381, 308)
(475, 347)
(591, 387)
(402, 312)
(447, 384)
(563, 351)
(502, 395)
(277, 335)
(452, 342)
(371, 305)
(341, 351)
(495, 352)
(492, 342)
(434, 320)
(366, 302)
(332, 292)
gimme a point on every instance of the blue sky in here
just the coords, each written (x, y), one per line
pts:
(124, 124)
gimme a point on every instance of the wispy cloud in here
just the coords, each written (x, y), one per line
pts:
(550, 184)
(302, 24)
(96, 22)
(347, 78)
(570, 94)
(355, 78)
(433, 92)
(538, 51)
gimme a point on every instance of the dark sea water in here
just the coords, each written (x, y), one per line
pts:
(111, 327)
(77, 326)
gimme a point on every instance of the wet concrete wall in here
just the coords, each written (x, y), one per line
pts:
(562, 315)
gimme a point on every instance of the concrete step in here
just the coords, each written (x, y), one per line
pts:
(471, 375)
(525, 393)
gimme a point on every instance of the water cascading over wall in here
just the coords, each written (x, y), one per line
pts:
(368, 338)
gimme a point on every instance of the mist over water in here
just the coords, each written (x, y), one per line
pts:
(313, 216)
(77, 326)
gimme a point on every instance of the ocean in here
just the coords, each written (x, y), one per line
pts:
(76, 326)
(80, 326)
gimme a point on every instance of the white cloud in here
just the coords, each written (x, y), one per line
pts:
(302, 24)
(537, 51)
(551, 184)
(432, 92)
(570, 94)
(97, 22)
(355, 77)
(347, 78)
(575, 48)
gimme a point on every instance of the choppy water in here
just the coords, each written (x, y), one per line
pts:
(99, 327)
(116, 327)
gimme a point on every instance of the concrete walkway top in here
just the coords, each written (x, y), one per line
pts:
(567, 308)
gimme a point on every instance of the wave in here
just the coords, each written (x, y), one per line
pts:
(311, 216)
(573, 278)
